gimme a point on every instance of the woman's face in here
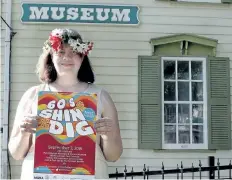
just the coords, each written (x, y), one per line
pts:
(66, 61)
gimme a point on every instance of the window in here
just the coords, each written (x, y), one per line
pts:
(184, 95)
(184, 103)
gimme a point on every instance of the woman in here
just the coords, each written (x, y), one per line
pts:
(64, 66)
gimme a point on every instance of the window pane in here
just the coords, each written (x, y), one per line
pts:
(169, 91)
(184, 134)
(197, 110)
(197, 91)
(169, 113)
(196, 70)
(170, 134)
(183, 69)
(183, 91)
(169, 70)
(183, 113)
(197, 134)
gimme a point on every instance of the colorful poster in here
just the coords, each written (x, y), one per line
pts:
(65, 136)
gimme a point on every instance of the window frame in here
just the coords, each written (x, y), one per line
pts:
(205, 104)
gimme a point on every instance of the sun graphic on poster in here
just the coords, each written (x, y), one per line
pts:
(44, 123)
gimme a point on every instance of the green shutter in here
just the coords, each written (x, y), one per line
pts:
(149, 103)
(219, 112)
(227, 1)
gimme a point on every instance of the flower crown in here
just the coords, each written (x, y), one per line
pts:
(60, 36)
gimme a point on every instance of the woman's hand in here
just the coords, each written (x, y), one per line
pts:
(24, 125)
(108, 128)
(29, 124)
(103, 126)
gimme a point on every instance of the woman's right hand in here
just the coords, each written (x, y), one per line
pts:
(29, 124)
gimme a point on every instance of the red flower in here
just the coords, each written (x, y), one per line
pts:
(55, 42)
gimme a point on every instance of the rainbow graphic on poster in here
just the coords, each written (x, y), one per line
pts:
(65, 136)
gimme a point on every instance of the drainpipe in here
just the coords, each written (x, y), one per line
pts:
(6, 102)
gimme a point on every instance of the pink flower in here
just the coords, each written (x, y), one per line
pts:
(90, 47)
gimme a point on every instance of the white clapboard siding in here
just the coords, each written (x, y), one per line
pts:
(147, 28)
(27, 35)
(115, 63)
(101, 79)
(114, 88)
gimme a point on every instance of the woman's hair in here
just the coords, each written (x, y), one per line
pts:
(47, 72)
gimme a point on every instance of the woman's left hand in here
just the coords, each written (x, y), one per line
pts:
(103, 126)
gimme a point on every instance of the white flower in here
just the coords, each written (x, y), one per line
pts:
(46, 46)
(76, 45)
(79, 49)
(57, 32)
